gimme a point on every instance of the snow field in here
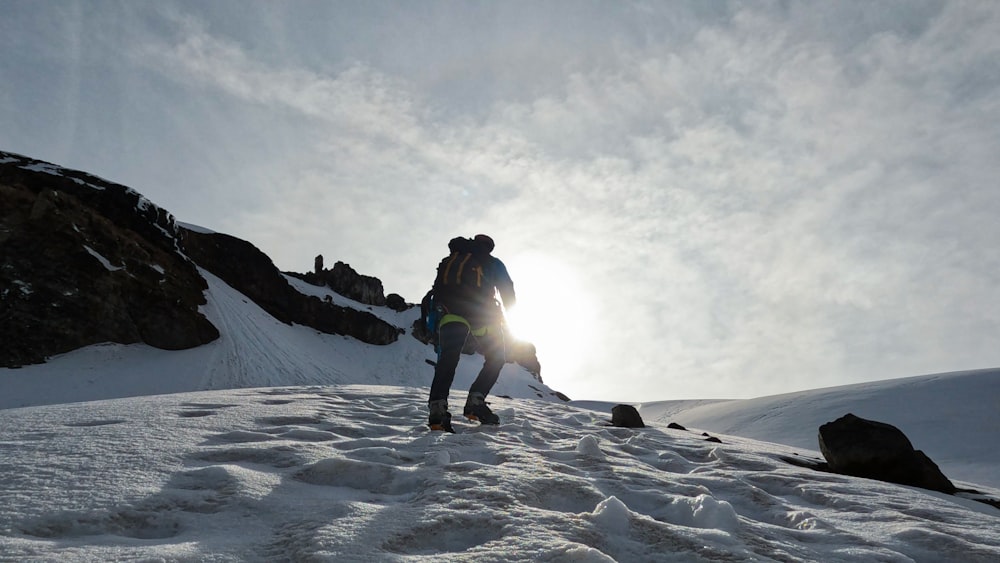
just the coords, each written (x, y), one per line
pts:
(349, 473)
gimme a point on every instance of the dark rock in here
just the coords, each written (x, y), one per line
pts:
(713, 439)
(626, 416)
(396, 302)
(815, 465)
(676, 426)
(244, 267)
(366, 290)
(867, 448)
(419, 331)
(87, 261)
(524, 354)
(347, 282)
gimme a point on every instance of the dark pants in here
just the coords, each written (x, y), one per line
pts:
(452, 338)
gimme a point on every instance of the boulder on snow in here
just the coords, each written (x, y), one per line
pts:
(866, 448)
(626, 416)
(396, 302)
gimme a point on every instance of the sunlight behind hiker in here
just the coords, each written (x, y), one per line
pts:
(554, 312)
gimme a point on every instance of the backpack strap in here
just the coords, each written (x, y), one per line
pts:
(462, 259)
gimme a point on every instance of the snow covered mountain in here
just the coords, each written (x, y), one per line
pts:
(254, 350)
(953, 417)
(279, 441)
(121, 300)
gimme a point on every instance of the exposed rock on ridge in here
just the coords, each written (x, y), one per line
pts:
(247, 269)
(88, 261)
(344, 280)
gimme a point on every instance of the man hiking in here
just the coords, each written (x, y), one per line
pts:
(465, 294)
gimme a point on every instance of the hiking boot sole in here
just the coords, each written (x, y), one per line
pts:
(475, 418)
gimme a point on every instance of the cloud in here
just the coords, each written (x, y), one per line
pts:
(756, 198)
(774, 177)
(810, 199)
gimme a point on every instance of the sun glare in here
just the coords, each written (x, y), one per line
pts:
(553, 312)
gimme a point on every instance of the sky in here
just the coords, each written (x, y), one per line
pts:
(695, 200)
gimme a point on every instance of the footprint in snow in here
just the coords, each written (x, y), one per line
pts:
(362, 475)
(92, 423)
(449, 534)
(210, 406)
(278, 457)
(199, 491)
(196, 413)
(291, 420)
(240, 436)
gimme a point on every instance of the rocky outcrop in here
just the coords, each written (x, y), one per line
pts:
(87, 261)
(344, 280)
(626, 416)
(867, 448)
(244, 267)
(396, 302)
(524, 354)
(347, 282)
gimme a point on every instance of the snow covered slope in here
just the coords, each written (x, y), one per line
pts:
(348, 473)
(954, 417)
(254, 350)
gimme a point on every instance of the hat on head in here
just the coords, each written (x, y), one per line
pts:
(485, 241)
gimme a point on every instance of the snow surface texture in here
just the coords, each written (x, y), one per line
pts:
(257, 350)
(348, 473)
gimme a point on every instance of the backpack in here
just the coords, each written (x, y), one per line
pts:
(463, 285)
(431, 314)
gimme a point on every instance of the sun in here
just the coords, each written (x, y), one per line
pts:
(553, 311)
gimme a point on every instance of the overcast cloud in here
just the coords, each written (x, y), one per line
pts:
(754, 197)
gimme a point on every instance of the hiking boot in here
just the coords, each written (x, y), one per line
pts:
(477, 409)
(440, 418)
